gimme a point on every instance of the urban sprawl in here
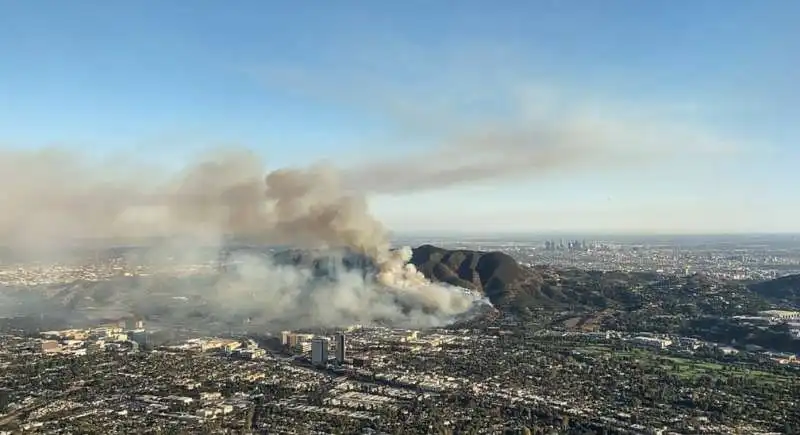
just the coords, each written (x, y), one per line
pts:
(547, 371)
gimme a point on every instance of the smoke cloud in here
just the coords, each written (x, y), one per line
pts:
(294, 297)
(471, 124)
(55, 195)
(478, 115)
(519, 149)
(53, 199)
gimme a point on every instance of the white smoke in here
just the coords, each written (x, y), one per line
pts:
(293, 296)
(395, 269)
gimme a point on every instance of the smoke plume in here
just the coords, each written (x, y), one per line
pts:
(522, 148)
(478, 116)
(294, 297)
(53, 199)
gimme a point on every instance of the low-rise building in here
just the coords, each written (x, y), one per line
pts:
(50, 346)
(658, 343)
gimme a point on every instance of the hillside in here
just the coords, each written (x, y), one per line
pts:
(493, 273)
(522, 288)
(783, 290)
(510, 285)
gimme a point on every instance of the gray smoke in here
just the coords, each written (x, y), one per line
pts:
(519, 149)
(54, 196)
(53, 199)
(480, 117)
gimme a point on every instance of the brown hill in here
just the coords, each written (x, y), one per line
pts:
(512, 286)
(493, 273)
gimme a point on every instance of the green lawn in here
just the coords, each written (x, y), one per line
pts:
(689, 368)
(684, 367)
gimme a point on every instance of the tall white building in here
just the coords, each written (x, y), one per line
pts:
(319, 351)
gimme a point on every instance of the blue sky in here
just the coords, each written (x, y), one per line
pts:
(302, 81)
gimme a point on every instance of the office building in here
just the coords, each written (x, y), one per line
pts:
(304, 347)
(340, 348)
(319, 351)
(292, 339)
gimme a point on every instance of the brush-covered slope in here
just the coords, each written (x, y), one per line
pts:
(493, 273)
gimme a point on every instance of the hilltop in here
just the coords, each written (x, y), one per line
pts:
(511, 285)
(493, 273)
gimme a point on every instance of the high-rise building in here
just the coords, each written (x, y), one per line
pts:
(319, 351)
(285, 335)
(341, 350)
(304, 347)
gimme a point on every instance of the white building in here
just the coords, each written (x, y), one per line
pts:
(319, 351)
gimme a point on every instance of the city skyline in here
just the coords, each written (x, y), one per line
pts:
(533, 118)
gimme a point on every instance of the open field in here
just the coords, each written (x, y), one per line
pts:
(685, 367)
